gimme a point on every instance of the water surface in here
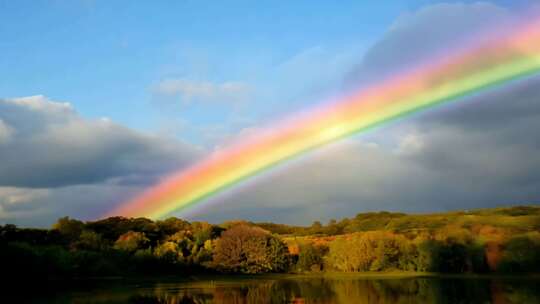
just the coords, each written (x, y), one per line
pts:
(297, 289)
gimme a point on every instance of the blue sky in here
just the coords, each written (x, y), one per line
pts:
(106, 57)
(177, 79)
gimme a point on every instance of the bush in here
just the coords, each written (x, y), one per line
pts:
(310, 257)
(373, 250)
(521, 254)
(247, 249)
(131, 241)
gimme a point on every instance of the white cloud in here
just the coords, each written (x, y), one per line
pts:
(42, 103)
(13, 196)
(13, 200)
(410, 144)
(203, 91)
(5, 132)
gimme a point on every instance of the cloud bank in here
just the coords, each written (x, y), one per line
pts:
(47, 144)
(49, 152)
(483, 152)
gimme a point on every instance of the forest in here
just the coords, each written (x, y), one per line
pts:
(498, 240)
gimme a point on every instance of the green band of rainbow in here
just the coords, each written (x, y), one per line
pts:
(481, 66)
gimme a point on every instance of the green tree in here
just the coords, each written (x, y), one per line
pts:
(249, 250)
(89, 240)
(172, 225)
(522, 254)
(316, 228)
(131, 241)
(391, 251)
(69, 228)
(168, 251)
(373, 250)
(310, 257)
(441, 256)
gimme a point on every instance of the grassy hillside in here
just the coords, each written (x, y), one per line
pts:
(511, 219)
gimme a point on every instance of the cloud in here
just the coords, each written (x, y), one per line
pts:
(50, 145)
(410, 144)
(10, 196)
(16, 202)
(5, 132)
(483, 152)
(432, 169)
(42, 207)
(336, 181)
(56, 163)
(190, 91)
(430, 32)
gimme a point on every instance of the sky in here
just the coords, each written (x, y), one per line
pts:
(100, 100)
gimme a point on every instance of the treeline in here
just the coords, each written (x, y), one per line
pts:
(120, 246)
(387, 251)
(505, 240)
(515, 219)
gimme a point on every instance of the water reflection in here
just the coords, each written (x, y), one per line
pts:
(314, 290)
(319, 290)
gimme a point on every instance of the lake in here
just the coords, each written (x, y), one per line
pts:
(296, 289)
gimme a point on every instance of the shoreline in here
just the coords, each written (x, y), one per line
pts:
(296, 276)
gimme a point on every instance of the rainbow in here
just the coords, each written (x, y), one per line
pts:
(496, 60)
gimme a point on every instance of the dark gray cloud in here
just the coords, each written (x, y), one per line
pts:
(47, 144)
(56, 163)
(481, 152)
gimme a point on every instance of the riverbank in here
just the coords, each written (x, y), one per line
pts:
(393, 275)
